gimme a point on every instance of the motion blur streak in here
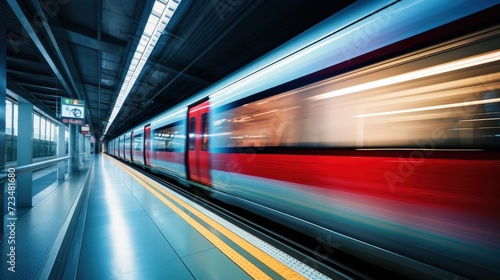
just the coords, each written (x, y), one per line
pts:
(426, 72)
(378, 131)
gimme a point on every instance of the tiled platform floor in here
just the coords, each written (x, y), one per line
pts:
(131, 232)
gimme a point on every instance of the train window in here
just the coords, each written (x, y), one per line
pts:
(421, 103)
(167, 138)
(138, 140)
(269, 122)
(204, 129)
(192, 132)
(127, 144)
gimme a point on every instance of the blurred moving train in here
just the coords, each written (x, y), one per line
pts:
(377, 131)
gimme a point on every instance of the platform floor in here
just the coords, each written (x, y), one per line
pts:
(138, 229)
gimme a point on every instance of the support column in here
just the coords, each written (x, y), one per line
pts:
(81, 149)
(61, 151)
(3, 93)
(87, 147)
(73, 149)
(25, 153)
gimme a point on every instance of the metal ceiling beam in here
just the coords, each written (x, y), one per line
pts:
(45, 95)
(210, 46)
(69, 85)
(32, 63)
(17, 89)
(184, 75)
(34, 36)
(39, 86)
(134, 41)
(84, 40)
(111, 90)
(95, 105)
(70, 73)
(30, 75)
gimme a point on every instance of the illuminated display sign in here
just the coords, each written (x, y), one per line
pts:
(72, 111)
(85, 129)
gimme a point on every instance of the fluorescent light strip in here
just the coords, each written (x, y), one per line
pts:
(422, 73)
(160, 15)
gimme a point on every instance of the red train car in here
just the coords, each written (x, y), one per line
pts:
(386, 148)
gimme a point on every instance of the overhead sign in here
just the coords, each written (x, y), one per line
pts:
(72, 111)
(85, 129)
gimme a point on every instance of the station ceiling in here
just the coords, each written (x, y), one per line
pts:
(81, 49)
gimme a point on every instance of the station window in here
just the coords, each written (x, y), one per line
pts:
(44, 134)
(42, 129)
(11, 121)
(36, 127)
(44, 139)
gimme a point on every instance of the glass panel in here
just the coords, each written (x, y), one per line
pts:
(15, 127)
(169, 138)
(36, 127)
(8, 118)
(192, 132)
(42, 129)
(53, 132)
(10, 141)
(204, 129)
(138, 140)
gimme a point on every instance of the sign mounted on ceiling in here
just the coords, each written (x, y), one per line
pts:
(72, 111)
(85, 129)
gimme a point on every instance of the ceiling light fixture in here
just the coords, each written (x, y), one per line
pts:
(161, 14)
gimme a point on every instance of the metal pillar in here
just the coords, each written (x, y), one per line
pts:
(3, 93)
(61, 151)
(73, 149)
(87, 147)
(25, 153)
(81, 149)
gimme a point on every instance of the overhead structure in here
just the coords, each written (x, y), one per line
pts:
(160, 16)
(127, 60)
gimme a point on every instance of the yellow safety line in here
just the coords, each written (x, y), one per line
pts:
(265, 258)
(241, 261)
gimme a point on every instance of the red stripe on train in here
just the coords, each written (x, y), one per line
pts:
(463, 185)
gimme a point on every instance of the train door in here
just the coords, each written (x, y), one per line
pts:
(126, 147)
(124, 156)
(132, 146)
(147, 144)
(197, 148)
(119, 147)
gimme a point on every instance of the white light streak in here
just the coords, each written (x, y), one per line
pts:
(417, 74)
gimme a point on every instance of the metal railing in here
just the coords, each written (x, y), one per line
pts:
(33, 167)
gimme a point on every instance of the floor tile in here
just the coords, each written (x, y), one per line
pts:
(213, 264)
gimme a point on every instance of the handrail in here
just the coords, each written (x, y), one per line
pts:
(34, 167)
